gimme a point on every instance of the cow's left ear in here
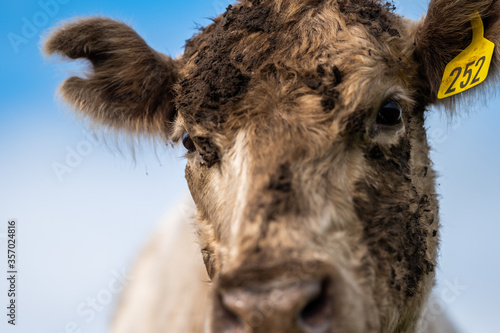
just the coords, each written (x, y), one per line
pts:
(444, 33)
(130, 88)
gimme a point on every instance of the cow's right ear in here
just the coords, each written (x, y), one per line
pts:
(130, 88)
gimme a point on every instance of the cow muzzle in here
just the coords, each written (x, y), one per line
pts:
(285, 303)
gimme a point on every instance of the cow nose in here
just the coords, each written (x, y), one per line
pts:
(299, 307)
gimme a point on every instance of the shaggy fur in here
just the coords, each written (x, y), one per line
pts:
(293, 175)
(130, 87)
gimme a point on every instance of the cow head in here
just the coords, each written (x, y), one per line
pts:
(307, 155)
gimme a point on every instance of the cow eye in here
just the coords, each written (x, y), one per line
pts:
(390, 114)
(188, 143)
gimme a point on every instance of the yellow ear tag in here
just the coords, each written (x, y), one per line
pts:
(470, 67)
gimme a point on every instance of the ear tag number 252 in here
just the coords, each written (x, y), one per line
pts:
(470, 67)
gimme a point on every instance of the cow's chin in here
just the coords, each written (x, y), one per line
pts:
(290, 297)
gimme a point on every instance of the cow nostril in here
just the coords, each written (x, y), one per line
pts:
(227, 317)
(305, 306)
(316, 313)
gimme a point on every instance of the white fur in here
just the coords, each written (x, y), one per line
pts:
(169, 288)
(239, 162)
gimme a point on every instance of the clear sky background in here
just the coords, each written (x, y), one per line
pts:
(79, 232)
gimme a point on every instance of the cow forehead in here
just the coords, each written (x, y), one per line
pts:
(291, 56)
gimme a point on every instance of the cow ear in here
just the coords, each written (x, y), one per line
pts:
(130, 88)
(445, 32)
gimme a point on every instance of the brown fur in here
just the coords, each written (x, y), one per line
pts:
(130, 86)
(292, 168)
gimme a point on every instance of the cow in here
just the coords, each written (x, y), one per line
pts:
(314, 198)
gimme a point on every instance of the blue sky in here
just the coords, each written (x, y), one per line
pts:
(76, 234)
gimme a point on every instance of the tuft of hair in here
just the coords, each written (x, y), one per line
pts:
(129, 89)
